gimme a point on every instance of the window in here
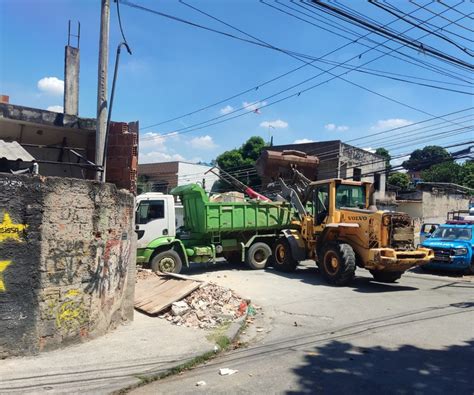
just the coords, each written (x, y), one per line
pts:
(352, 196)
(452, 233)
(321, 202)
(357, 174)
(377, 181)
(150, 210)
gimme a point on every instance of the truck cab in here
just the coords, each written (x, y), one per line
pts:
(156, 215)
(453, 245)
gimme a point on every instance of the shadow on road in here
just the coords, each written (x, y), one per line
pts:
(306, 274)
(310, 275)
(339, 367)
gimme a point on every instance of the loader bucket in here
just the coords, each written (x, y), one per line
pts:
(275, 164)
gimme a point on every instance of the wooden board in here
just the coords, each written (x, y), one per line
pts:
(156, 293)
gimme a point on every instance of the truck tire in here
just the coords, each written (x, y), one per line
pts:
(337, 263)
(257, 255)
(167, 262)
(282, 257)
(386, 277)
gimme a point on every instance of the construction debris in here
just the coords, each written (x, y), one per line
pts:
(200, 383)
(227, 371)
(207, 307)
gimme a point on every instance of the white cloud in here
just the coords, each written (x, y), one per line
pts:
(253, 106)
(157, 156)
(338, 128)
(202, 142)
(386, 124)
(276, 124)
(227, 109)
(56, 109)
(152, 140)
(303, 141)
(51, 86)
(370, 149)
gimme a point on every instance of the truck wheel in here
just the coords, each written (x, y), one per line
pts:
(338, 263)
(385, 277)
(282, 258)
(257, 255)
(167, 262)
(470, 269)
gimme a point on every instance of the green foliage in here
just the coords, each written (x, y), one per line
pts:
(443, 172)
(422, 159)
(401, 180)
(462, 174)
(384, 154)
(467, 174)
(240, 159)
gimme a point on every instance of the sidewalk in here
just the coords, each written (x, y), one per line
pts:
(147, 346)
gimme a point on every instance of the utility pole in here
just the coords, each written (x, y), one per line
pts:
(101, 126)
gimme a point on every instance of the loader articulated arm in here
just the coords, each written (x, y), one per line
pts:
(292, 197)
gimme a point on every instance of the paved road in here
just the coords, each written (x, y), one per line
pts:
(416, 336)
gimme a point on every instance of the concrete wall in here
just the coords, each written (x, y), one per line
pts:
(67, 261)
(432, 208)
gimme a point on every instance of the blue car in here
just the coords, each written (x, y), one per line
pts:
(453, 246)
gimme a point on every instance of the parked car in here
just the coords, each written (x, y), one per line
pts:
(452, 243)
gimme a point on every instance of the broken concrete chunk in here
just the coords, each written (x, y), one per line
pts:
(227, 371)
(179, 308)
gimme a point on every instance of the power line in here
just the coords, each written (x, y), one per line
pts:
(443, 17)
(419, 26)
(417, 62)
(397, 37)
(198, 126)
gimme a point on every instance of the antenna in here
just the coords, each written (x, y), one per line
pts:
(69, 35)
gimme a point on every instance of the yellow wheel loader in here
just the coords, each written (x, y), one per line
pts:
(340, 228)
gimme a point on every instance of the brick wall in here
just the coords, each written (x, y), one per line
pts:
(67, 261)
(122, 155)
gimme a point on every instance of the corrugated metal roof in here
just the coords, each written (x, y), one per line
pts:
(14, 151)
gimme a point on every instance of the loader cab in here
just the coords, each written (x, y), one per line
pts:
(333, 195)
(154, 217)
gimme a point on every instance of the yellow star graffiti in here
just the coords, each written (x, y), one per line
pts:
(3, 267)
(9, 230)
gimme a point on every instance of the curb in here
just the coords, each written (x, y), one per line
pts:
(232, 333)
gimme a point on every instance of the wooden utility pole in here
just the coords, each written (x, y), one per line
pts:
(101, 127)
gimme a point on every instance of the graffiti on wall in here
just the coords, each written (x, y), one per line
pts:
(9, 231)
(111, 267)
(71, 314)
(3, 266)
(65, 259)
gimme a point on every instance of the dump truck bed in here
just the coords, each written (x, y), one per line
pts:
(203, 216)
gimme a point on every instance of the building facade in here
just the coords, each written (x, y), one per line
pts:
(340, 160)
(164, 176)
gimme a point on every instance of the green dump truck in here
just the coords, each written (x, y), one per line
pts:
(242, 231)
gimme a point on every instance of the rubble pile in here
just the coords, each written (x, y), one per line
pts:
(143, 274)
(207, 307)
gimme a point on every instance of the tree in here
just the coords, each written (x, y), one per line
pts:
(236, 161)
(422, 159)
(400, 180)
(443, 172)
(384, 154)
(467, 174)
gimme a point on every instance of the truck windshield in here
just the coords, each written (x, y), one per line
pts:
(350, 196)
(452, 233)
(149, 210)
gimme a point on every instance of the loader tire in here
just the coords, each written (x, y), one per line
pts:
(282, 257)
(167, 262)
(386, 277)
(258, 255)
(337, 263)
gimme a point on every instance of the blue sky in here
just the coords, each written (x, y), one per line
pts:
(176, 68)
